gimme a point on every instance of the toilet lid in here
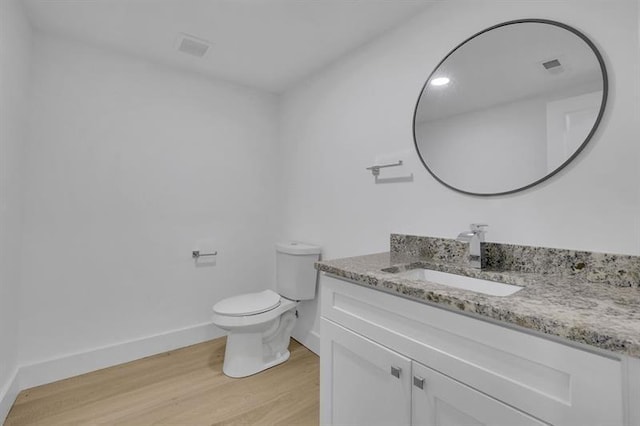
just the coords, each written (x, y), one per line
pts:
(248, 304)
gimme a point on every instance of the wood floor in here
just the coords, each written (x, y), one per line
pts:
(181, 387)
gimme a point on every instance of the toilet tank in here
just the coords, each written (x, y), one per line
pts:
(296, 276)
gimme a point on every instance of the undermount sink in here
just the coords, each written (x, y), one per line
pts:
(479, 285)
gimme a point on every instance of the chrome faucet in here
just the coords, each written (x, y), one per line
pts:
(474, 237)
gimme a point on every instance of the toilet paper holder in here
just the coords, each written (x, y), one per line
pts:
(196, 254)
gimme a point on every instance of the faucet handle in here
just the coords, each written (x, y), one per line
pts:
(479, 229)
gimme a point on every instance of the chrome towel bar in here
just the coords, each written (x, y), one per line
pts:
(375, 170)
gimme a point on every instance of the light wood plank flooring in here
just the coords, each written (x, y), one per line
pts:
(181, 387)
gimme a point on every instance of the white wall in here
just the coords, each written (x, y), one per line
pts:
(524, 140)
(335, 124)
(473, 151)
(15, 52)
(129, 164)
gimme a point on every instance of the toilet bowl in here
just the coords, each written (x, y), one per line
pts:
(259, 325)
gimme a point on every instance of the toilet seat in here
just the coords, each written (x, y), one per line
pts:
(248, 304)
(247, 322)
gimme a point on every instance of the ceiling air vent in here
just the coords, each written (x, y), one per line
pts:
(192, 45)
(553, 66)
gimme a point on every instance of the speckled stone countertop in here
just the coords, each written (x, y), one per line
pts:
(559, 304)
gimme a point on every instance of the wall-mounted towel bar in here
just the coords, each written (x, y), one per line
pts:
(375, 170)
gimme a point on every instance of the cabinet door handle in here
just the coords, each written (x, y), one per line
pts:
(395, 371)
(418, 382)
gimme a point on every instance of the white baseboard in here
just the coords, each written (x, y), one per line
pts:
(8, 395)
(310, 340)
(107, 356)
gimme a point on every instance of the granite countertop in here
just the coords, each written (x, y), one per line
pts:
(592, 313)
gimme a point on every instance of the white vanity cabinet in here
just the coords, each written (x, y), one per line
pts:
(386, 360)
(372, 385)
(438, 400)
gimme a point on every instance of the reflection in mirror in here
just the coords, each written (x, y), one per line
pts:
(510, 107)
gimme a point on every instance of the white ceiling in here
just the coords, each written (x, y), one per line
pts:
(505, 65)
(268, 44)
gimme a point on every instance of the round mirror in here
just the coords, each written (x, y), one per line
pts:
(510, 107)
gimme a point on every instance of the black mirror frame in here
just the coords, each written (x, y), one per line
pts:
(605, 92)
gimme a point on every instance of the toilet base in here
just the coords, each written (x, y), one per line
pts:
(250, 353)
(243, 369)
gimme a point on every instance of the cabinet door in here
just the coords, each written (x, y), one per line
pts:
(438, 400)
(362, 382)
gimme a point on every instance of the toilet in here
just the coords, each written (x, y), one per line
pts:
(259, 324)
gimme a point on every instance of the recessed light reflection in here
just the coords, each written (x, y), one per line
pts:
(440, 81)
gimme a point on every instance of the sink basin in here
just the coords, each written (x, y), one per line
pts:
(479, 285)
